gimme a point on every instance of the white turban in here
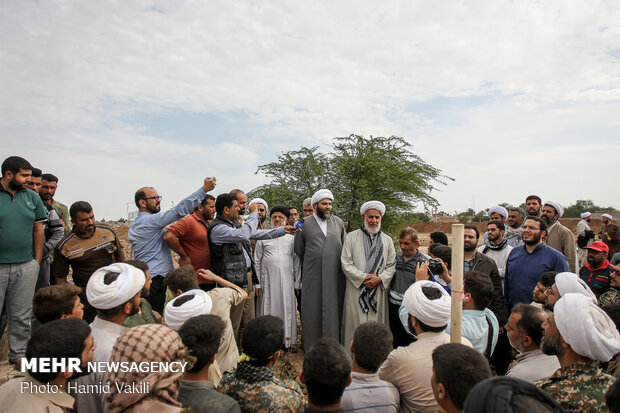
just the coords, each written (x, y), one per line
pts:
(129, 282)
(586, 328)
(585, 214)
(378, 205)
(607, 216)
(321, 194)
(433, 313)
(259, 201)
(498, 209)
(567, 282)
(200, 304)
(558, 208)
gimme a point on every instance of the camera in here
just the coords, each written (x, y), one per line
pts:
(434, 266)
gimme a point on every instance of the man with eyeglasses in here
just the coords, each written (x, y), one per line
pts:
(146, 235)
(527, 262)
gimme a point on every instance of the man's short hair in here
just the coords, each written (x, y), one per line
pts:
(409, 231)
(15, 164)
(521, 211)
(445, 254)
(431, 293)
(536, 197)
(201, 335)
(262, 338)
(182, 278)
(57, 339)
(224, 201)
(36, 173)
(439, 237)
(140, 195)
(49, 178)
(530, 324)
(207, 197)
(479, 285)
(141, 265)
(473, 228)
(548, 278)
(459, 368)
(52, 302)
(79, 206)
(372, 342)
(326, 370)
(541, 222)
(307, 202)
(499, 224)
(236, 192)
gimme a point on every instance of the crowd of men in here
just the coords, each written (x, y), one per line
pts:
(540, 315)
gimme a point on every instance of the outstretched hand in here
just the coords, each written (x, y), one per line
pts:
(209, 184)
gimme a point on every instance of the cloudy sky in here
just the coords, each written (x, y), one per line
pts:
(507, 97)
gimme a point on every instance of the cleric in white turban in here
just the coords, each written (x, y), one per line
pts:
(586, 327)
(320, 195)
(376, 205)
(565, 283)
(259, 201)
(555, 205)
(185, 306)
(114, 285)
(498, 209)
(433, 313)
(586, 214)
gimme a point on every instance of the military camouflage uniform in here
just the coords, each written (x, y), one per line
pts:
(257, 390)
(578, 387)
(63, 212)
(611, 296)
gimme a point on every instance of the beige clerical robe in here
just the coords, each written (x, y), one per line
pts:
(353, 261)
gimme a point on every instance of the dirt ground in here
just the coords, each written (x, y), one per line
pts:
(290, 363)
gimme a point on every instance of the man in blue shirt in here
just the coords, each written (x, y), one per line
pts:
(22, 215)
(147, 230)
(527, 262)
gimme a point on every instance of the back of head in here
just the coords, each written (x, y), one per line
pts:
(326, 371)
(480, 287)
(372, 343)
(79, 206)
(445, 254)
(530, 323)
(439, 237)
(15, 164)
(52, 302)
(141, 265)
(507, 394)
(182, 278)
(57, 339)
(201, 335)
(224, 201)
(459, 368)
(262, 338)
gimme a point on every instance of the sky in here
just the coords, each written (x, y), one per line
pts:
(509, 98)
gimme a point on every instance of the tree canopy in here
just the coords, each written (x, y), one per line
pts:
(356, 170)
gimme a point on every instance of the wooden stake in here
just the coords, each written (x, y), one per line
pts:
(457, 282)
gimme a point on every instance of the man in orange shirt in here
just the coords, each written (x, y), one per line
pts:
(188, 238)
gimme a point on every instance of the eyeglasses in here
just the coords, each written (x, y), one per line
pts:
(492, 229)
(157, 198)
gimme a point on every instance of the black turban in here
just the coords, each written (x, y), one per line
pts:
(281, 208)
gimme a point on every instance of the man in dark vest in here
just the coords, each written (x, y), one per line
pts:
(230, 252)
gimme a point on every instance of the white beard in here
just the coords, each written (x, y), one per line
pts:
(373, 231)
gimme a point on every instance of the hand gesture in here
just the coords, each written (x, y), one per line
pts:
(209, 184)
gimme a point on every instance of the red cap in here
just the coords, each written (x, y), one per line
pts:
(598, 246)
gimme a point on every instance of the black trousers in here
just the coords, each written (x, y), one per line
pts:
(157, 294)
(401, 337)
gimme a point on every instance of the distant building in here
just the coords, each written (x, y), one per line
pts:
(443, 218)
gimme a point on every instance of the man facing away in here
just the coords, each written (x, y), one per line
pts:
(319, 246)
(372, 342)
(525, 332)
(22, 215)
(147, 230)
(368, 262)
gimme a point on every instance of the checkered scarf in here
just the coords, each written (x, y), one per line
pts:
(251, 373)
(149, 342)
(373, 247)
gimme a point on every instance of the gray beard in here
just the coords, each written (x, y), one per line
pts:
(373, 231)
(323, 214)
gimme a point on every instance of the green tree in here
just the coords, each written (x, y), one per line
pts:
(358, 169)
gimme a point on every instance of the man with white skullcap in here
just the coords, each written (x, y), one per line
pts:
(262, 212)
(319, 246)
(567, 282)
(605, 220)
(114, 291)
(585, 236)
(185, 306)
(579, 333)
(410, 368)
(368, 262)
(559, 237)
